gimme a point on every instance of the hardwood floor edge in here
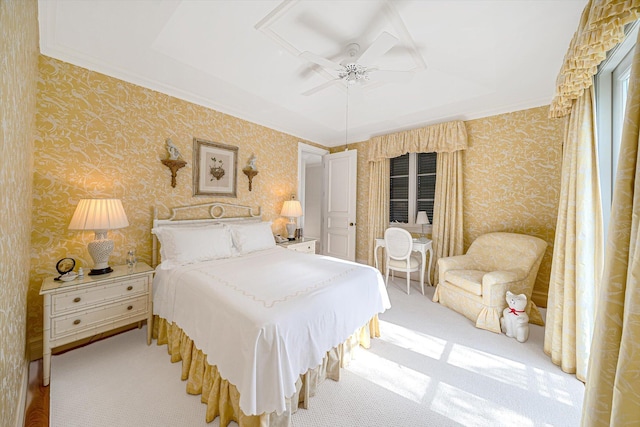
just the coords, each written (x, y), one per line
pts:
(37, 398)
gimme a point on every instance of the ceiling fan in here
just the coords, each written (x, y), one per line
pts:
(360, 69)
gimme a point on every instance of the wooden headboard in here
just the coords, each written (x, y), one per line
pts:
(185, 216)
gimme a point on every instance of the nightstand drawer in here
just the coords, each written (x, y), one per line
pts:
(80, 298)
(308, 247)
(76, 322)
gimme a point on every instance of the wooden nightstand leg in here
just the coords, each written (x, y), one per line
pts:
(149, 330)
(46, 368)
(150, 318)
(46, 344)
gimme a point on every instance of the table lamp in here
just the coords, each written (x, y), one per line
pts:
(422, 219)
(99, 215)
(293, 210)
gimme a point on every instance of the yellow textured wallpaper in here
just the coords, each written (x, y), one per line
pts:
(511, 182)
(18, 78)
(98, 136)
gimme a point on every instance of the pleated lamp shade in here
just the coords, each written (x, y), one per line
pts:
(292, 209)
(99, 214)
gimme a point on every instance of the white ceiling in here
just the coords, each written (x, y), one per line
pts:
(472, 58)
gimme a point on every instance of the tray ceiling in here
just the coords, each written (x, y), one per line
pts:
(470, 58)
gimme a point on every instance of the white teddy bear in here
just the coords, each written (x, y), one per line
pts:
(515, 322)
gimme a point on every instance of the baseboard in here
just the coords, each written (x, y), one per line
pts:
(35, 348)
(539, 298)
(22, 402)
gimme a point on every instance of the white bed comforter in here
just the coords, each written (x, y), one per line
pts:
(266, 317)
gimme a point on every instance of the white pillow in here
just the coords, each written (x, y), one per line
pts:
(252, 237)
(186, 245)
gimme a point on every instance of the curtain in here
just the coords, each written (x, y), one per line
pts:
(447, 213)
(612, 395)
(378, 204)
(446, 139)
(601, 28)
(577, 255)
(443, 137)
(575, 267)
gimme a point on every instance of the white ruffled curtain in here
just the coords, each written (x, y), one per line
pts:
(448, 140)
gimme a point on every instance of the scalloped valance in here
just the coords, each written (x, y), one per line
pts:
(601, 28)
(441, 138)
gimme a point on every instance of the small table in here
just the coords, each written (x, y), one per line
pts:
(91, 305)
(306, 244)
(418, 246)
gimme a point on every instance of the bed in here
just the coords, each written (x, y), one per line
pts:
(257, 327)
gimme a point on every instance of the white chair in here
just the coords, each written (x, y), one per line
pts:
(398, 247)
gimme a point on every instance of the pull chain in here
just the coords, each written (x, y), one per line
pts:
(346, 121)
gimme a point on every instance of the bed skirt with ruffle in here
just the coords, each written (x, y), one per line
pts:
(223, 399)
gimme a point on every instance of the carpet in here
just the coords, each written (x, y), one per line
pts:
(431, 367)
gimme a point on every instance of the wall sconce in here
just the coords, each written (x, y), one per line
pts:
(250, 170)
(174, 163)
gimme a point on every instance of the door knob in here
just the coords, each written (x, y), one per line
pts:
(351, 224)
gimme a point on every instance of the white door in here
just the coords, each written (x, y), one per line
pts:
(339, 219)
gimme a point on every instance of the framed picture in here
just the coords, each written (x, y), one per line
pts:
(214, 168)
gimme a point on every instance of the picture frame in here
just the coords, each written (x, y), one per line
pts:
(215, 168)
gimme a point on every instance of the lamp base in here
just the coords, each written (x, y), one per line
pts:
(100, 249)
(100, 271)
(291, 230)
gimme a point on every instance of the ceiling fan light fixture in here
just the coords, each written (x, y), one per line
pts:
(353, 73)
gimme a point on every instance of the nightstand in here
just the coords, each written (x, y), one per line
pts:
(92, 305)
(305, 244)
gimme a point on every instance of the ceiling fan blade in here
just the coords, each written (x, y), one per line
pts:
(379, 47)
(391, 75)
(322, 86)
(323, 62)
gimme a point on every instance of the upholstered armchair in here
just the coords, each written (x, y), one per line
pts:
(475, 284)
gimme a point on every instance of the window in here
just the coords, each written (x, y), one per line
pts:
(412, 187)
(612, 85)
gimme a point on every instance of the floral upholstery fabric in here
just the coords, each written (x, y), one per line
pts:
(475, 284)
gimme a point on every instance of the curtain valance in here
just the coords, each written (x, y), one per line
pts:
(601, 28)
(441, 138)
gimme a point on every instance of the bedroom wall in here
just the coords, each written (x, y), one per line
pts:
(511, 182)
(18, 78)
(98, 136)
